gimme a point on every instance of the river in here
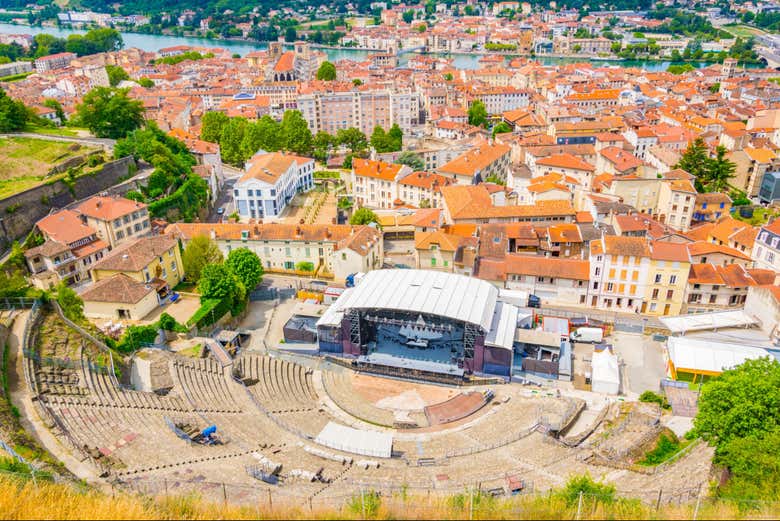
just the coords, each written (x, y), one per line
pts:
(155, 42)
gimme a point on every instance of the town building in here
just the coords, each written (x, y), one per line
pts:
(269, 182)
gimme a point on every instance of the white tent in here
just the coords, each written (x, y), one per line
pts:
(709, 357)
(605, 377)
(347, 439)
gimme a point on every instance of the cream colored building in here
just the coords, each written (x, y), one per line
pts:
(119, 298)
(115, 219)
(334, 251)
(676, 202)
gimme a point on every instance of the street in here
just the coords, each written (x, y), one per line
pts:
(225, 196)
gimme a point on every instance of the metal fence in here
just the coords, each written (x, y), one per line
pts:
(271, 294)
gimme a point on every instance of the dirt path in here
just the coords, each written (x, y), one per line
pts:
(21, 398)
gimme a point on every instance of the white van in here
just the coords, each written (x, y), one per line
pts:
(593, 335)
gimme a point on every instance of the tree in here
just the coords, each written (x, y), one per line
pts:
(199, 252)
(217, 282)
(576, 48)
(326, 72)
(448, 76)
(694, 160)
(212, 124)
(290, 35)
(754, 466)
(741, 402)
(357, 82)
(408, 16)
(412, 160)
(70, 302)
(109, 112)
(719, 171)
(56, 106)
(477, 114)
(363, 216)
(322, 142)
(501, 128)
(395, 138)
(168, 323)
(116, 75)
(145, 83)
(231, 140)
(295, 134)
(379, 140)
(13, 114)
(353, 139)
(305, 266)
(246, 266)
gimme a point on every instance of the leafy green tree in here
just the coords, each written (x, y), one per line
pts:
(477, 114)
(246, 266)
(290, 35)
(116, 75)
(326, 72)
(217, 282)
(408, 16)
(57, 107)
(322, 143)
(448, 76)
(212, 124)
(168, 323)
(719, 171)
(270, 130)
(680, 69)
(231, 140)
(353, 139)
(412, 160)
(357, 82)
(754, 466)
(109, 112)
(741, 402)
(694, 160)
(295, 134)
(395, 137)
(305, 266)
(199, 252)
(363, 216)
(379, 140)
(70, 302)
(146, 83)
(501, 128)
(13, 114)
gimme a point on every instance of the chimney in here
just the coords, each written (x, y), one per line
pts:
(327, 233)
(213, 234)
(297, 231)
(99, 203)
(257, 230)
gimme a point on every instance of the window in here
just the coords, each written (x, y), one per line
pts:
(673, 279)
(597, 272)
(287, 251)
(658, 278)
(635, 276)
(655, 294)
(446, 263)
(609, 286)
(595, 285)
(173, 266)
(652, 306)
(612, 273)
(250, 193)
(669, 294)
(622, 274)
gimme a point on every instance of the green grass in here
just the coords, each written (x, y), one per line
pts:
(186, 287)
(760, 216)
(743, 31)
(52, 131)
(666, 447)
(24, 162)
(16, 77)
(193, 352)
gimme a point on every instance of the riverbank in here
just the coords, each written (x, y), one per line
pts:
(461, 59)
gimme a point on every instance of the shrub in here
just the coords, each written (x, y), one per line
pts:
(366, 504)
(135, 336)
(651, 397)
(666, 447)
(600, 492)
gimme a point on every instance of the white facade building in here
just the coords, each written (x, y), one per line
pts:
(270, 182)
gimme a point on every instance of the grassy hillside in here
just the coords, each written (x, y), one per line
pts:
(22, 499)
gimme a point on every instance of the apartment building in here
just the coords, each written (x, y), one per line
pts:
(666, 279)
(422, 189)
(332, 111)
(711, 206)
(566, 164)
(555, 281)
(479, 164)
(54, 62)
(766, 249)
(115, 220)
(335, 250)
(473, 205)
(676, 203)
(437, 250)
(152, 260)
(713, 287)
(269, 182)
(375, 183)
(69, 250)
(618, 272)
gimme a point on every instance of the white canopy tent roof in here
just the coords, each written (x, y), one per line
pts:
(347, 439)
(457, 297)
(605, 373)
(707, 356)
(704, 321)
(502, 329)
